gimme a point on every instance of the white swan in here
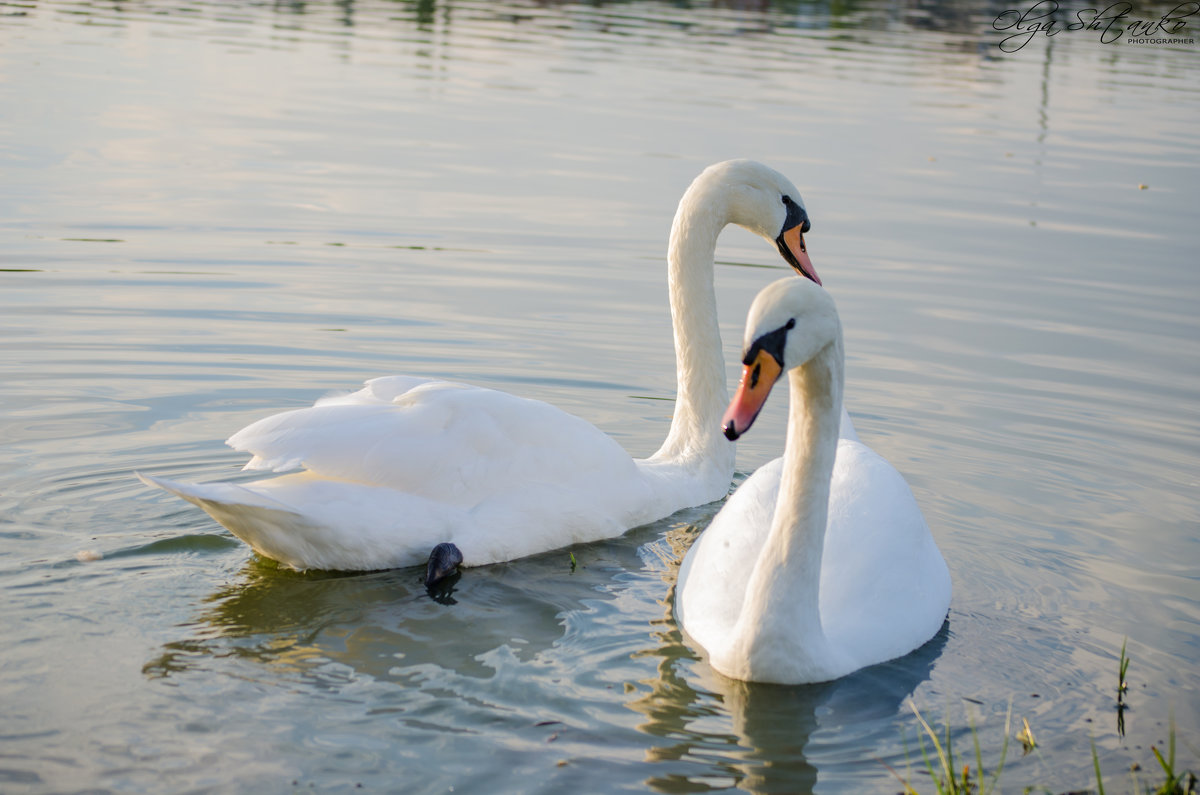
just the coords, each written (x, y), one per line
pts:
(408, 463)
(820, 563)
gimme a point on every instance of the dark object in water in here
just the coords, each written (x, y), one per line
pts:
(444, 560)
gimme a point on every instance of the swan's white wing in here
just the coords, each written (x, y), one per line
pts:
(846, 430)
(439, 440)
(711, 586)
(885, 588)
(283, 441)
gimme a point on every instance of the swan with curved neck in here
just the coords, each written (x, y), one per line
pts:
(820, 563)
(408, 464)
(761, 200)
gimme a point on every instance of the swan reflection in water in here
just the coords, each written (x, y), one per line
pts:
(379, 623)
(767, 736)
(515, 645)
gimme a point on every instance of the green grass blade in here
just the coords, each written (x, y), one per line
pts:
(1003, 753)
(1096, 765)
(1122, 670)
(978, 754)
(941, 754)
(1168, 785)
(933, 776)
(1171, 746)
(950, 757)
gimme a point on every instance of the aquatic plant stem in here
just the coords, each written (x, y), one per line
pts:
(1096, 766)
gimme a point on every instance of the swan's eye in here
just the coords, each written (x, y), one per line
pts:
(787, 200)
(791, 324)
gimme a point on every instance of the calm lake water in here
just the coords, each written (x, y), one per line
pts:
(213, 211)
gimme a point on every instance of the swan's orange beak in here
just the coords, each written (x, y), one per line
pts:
(791, 243)
(757, 379)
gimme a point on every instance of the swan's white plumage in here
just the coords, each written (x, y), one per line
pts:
(883, 587)
(407, 463)
(391, 472)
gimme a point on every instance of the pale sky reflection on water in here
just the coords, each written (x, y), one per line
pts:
(210, 212)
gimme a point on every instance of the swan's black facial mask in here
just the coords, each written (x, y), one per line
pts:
(791, 240)
(764, 365)
(772, 343)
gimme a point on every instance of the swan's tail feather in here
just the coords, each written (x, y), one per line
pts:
(202, 494)
(307, 522)
(270, 527)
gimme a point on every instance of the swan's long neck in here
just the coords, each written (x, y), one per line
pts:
(782, 596)
(701, 394)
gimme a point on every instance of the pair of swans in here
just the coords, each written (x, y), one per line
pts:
(408, 464)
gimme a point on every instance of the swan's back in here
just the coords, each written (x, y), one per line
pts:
(440, 440)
